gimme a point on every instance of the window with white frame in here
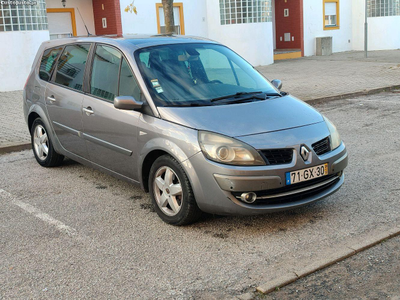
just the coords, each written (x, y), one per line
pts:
(20, 17)
(245, 11)
(383, 8)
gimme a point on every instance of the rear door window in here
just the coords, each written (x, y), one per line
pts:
(105, 72)
(47, 63)
(71, 66)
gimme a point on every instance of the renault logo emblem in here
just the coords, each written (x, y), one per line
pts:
(304, 152)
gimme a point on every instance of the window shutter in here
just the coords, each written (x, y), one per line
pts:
(330, 9)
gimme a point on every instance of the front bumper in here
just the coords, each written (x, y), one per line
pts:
(217, 187)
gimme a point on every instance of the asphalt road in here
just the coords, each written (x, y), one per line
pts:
(75, 232)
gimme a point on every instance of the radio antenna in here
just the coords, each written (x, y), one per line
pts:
(87, 30)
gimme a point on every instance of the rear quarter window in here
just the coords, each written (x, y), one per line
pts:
(47, 63)
(71, 66)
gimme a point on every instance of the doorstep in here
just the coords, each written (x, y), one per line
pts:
(281, 54)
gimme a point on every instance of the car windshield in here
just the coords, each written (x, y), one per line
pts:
(200, 74)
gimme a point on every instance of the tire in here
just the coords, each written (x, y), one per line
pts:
(42, 147)
(171, 193)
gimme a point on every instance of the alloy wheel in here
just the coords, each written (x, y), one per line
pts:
(168, 191)
(41, 142)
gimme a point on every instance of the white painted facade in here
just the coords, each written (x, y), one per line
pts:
(145, 22)
(86, 9)
(383, 32)
(18, 49)
(313, 21)
(253, 41)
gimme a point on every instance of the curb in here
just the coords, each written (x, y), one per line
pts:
(345, 252)
(353, 94)
(15, 148)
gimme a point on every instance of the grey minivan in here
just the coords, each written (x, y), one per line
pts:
(187, 119)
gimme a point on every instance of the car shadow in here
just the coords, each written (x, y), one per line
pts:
(220, 227)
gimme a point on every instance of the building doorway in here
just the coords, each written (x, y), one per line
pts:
(288, 24)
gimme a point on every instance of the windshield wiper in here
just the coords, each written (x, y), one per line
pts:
(235, 95)
(250, 95)
(192, 104)
(243, 100)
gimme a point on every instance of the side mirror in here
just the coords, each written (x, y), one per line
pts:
(127, 103)
(277, 83)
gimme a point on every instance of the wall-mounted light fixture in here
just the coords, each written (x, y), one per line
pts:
(63, 2)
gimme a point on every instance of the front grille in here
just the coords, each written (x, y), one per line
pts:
(278, 156)
(296, 197)
(322, 146)
(289, 188)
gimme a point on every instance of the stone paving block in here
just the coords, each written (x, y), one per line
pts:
(13, 129)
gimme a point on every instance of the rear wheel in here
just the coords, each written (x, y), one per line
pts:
(42, 146)
(171, 192)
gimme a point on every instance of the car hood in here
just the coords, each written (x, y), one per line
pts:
(245, 118)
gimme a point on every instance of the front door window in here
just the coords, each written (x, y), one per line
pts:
(104, 81)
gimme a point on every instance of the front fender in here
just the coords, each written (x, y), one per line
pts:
(164, 145)
(168, 146)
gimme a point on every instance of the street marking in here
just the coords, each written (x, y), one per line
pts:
(39, 214)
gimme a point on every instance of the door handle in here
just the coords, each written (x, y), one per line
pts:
(51, 99)
(88, 110)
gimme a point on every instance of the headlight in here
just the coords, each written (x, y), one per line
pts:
(335, 137)
(227, 150)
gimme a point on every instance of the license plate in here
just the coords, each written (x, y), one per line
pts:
(306, 174)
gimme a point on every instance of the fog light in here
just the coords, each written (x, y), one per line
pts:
(248, 197)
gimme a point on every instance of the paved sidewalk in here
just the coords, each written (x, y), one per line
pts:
(308, 78)
(316, 77)
(13, 129)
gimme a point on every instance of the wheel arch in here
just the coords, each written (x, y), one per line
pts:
(37, 111)
(156, 148)
(31, 118)
(146, 166)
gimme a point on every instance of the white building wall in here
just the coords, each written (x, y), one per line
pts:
(358, 19)
(18, 50)
(313, 26)
(86, 9)
(202, 18)
(145, 22)
(253, 41)
(383, 32)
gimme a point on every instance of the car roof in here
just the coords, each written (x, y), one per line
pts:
(134, 41)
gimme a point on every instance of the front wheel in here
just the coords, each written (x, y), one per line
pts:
(42, 147)
(171, 192)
